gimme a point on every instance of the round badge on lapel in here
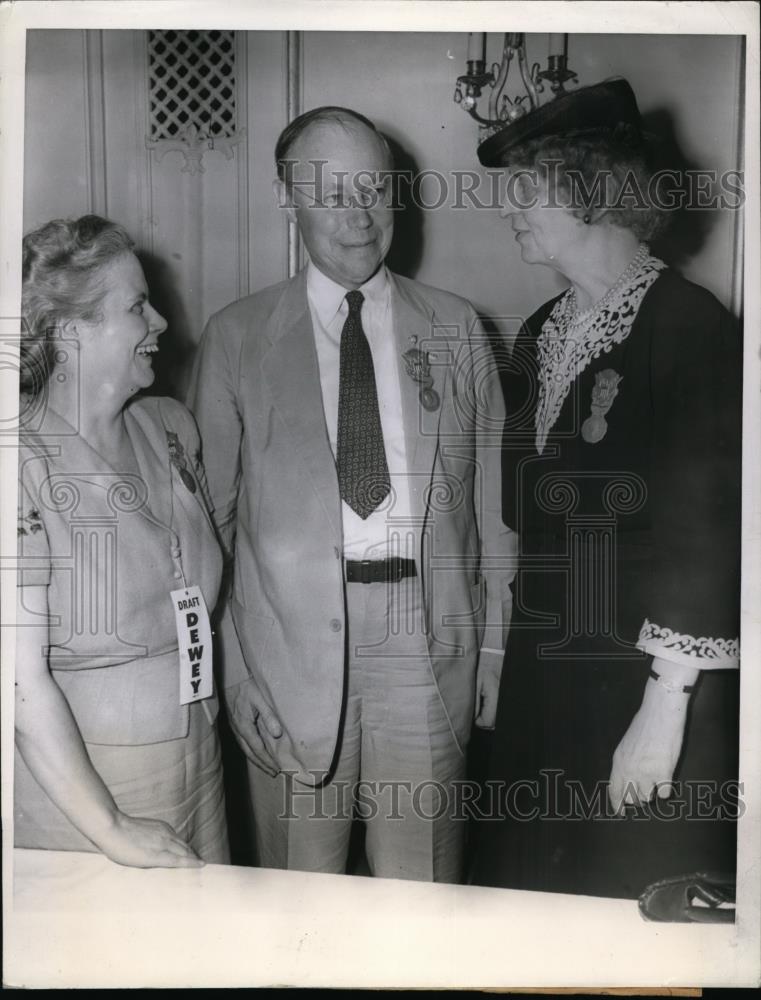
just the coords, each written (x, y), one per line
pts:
(430, 399)
(594, 429)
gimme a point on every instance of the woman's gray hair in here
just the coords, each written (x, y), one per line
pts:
(62, 264)
(577, 164)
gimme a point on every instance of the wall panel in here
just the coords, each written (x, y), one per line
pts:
(56, 159)
(210, 238)
(205, 238)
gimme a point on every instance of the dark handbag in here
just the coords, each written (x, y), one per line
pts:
(673, 899)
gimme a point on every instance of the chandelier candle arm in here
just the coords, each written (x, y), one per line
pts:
(528, 78)
(501, 76)
(502, 108)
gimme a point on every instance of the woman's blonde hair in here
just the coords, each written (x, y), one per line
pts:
(62, 264)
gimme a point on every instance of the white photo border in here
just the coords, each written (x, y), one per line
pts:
(414, 945)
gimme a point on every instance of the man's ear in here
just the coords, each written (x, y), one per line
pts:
(283, 198)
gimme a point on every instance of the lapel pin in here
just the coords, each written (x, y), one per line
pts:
(419, 370)
(604, 392)
(178, 460)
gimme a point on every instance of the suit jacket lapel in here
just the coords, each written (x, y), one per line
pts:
(413, 329)
(291, 374)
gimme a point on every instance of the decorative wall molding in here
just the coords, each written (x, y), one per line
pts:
(738, 249)
(192, 88)
(144, 166)
(191, 142)
(244, 207)
(294, 101)
(95, 122)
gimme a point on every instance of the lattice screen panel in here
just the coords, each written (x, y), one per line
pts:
(191, 78)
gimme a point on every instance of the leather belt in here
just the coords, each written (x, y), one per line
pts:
(379, 570)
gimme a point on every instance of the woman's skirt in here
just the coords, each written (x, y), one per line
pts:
(177, 781)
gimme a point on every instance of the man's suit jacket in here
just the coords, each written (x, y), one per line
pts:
(256, 396)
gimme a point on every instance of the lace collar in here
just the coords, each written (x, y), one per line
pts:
(568, 342)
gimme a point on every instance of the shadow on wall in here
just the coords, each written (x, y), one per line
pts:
(172, 364)
(406, 252)
(688, 227)
(407, 247)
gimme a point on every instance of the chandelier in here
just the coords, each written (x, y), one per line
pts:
(503, 109)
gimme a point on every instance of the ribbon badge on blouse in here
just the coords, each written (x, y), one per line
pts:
(419, 370)
(605, 391)
(178, 460)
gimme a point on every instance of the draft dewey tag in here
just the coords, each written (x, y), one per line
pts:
(194, 643)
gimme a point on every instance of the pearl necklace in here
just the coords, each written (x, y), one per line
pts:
(571, 315)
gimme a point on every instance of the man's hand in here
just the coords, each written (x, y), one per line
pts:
(248, 712)
(487, 688)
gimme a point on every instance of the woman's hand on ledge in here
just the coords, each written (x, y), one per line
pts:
(645, 759)
(145, 843)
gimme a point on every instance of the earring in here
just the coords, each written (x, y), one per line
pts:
(587, 218)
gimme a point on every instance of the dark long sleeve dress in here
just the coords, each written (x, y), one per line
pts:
(629, 546)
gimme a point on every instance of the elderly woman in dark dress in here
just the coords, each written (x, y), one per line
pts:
(616, 733)
(114, 753)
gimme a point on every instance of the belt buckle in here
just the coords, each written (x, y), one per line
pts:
(366, 570)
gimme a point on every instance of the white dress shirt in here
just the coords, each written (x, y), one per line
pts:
(387, 531)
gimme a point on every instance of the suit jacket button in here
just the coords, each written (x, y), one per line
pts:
(335, 625)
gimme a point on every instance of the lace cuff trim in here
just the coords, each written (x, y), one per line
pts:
(703, 652)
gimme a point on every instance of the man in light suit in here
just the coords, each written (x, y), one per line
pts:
(351, 421)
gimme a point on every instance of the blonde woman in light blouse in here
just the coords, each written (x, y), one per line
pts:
(113, 518)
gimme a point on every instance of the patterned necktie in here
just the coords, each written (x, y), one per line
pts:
(363, 477)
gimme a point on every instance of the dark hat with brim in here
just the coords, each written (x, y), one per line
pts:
(607, 107)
